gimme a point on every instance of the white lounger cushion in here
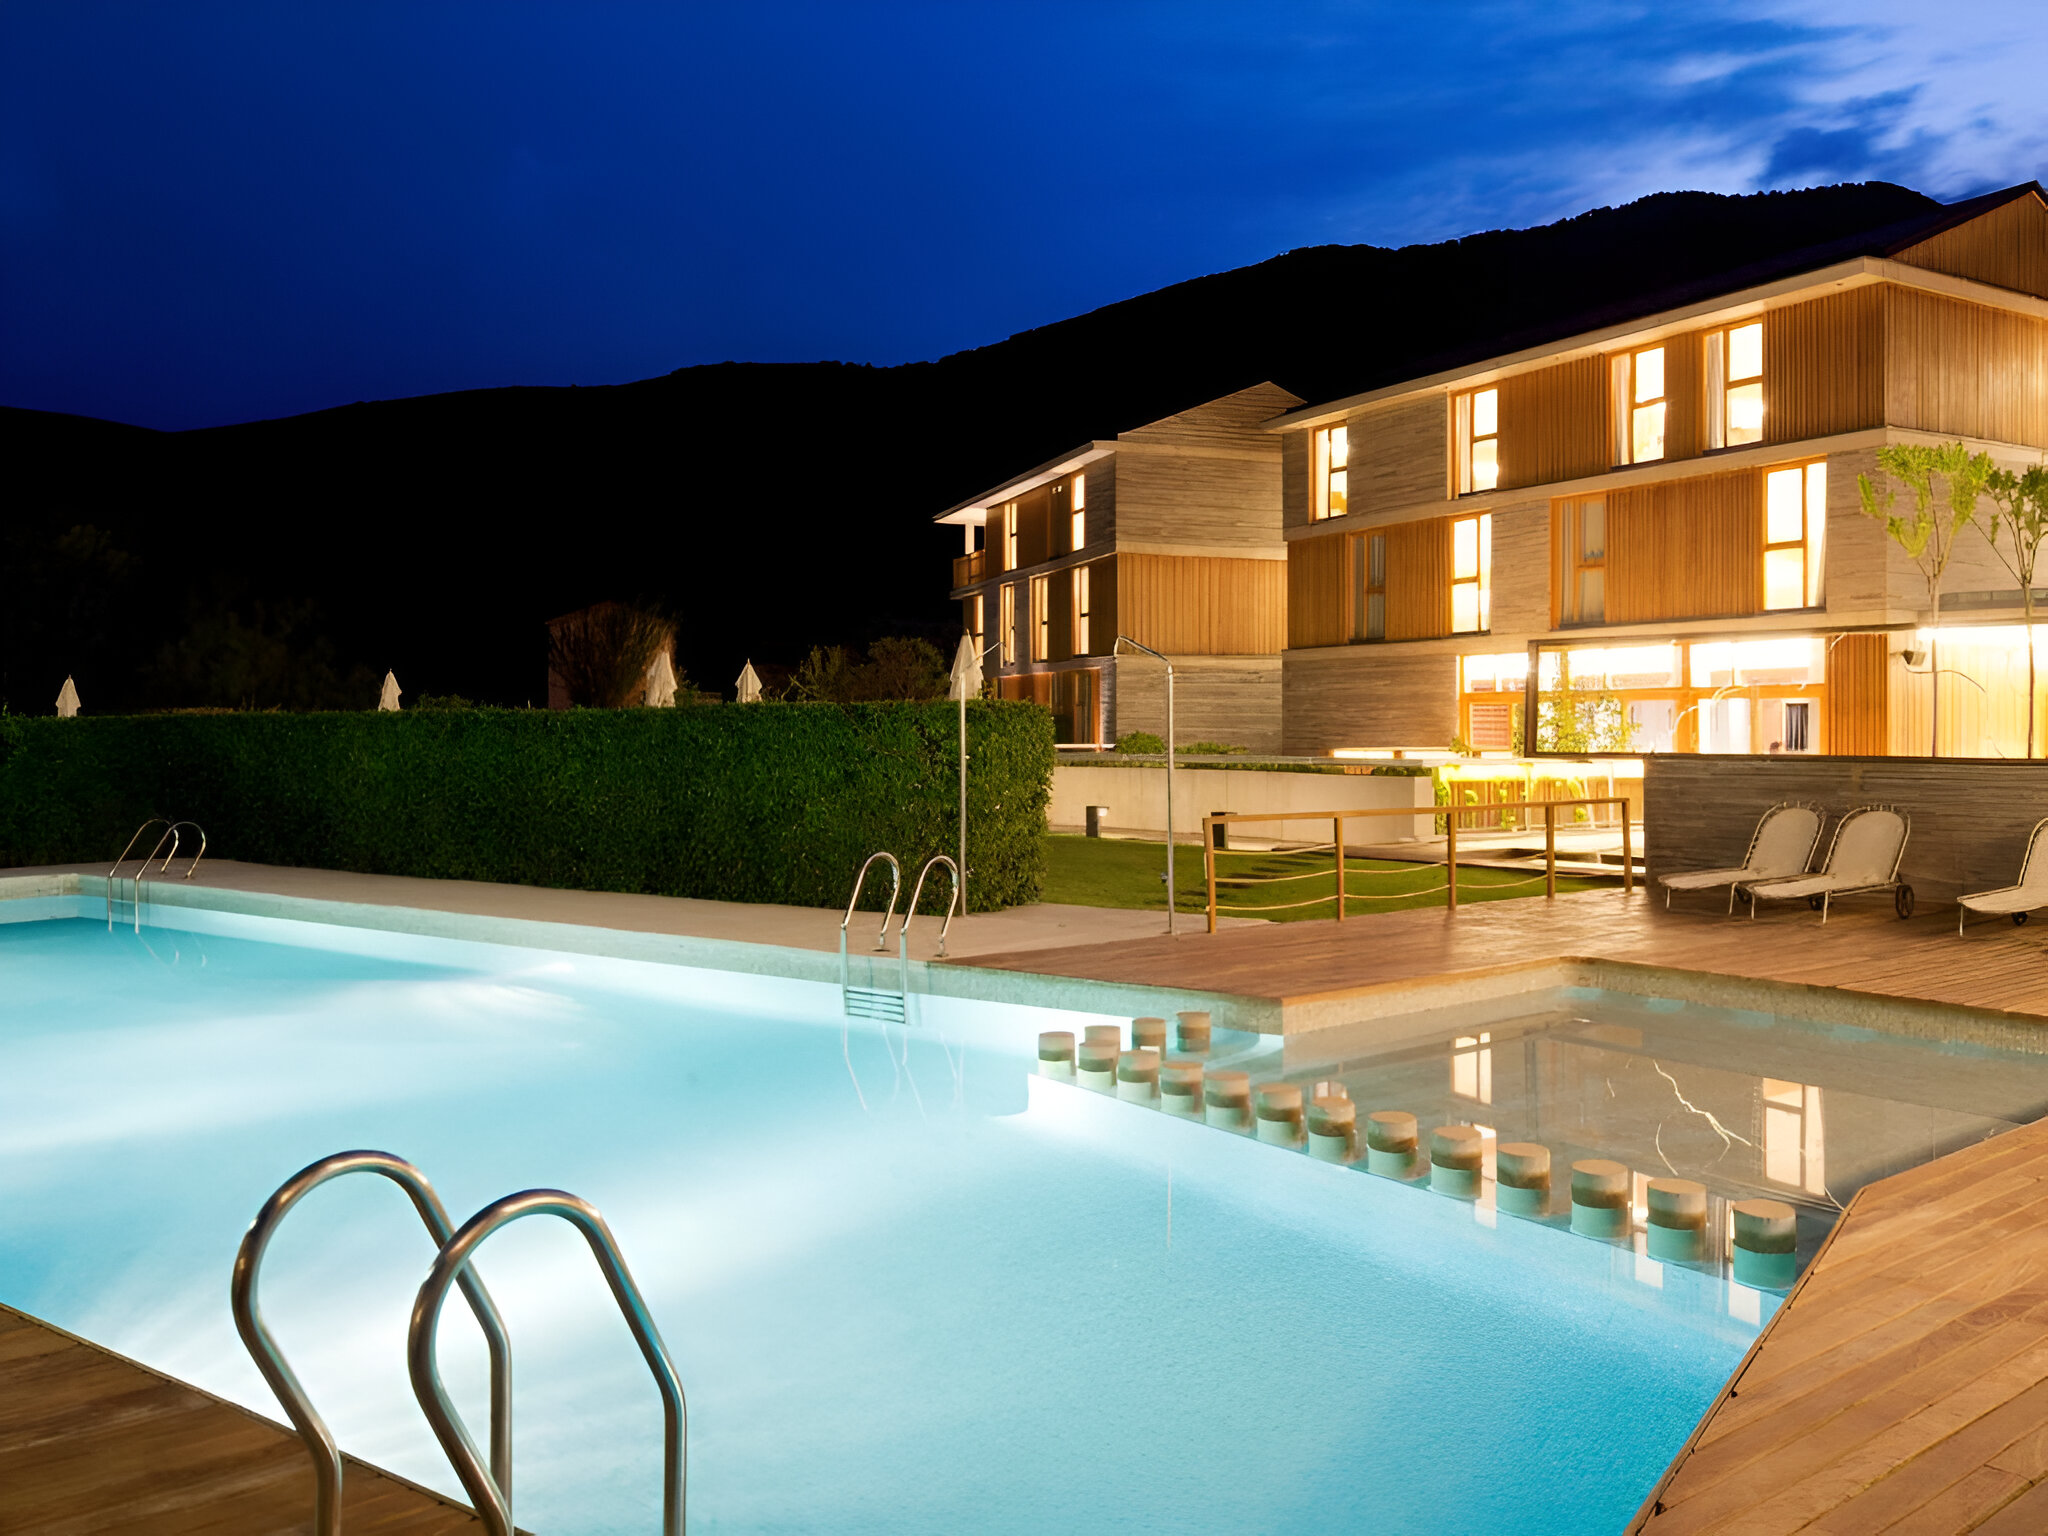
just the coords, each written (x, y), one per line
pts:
(1784, 842)
(2032, 891)
(1866, 853)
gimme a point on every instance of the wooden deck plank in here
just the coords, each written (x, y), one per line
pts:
(94, 1444)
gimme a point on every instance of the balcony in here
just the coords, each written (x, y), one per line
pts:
(968, 569)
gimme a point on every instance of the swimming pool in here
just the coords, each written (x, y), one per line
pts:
(907, 1290)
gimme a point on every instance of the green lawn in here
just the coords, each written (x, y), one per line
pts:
(1111, 872)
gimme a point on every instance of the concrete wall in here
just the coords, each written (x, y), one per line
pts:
(1971, 816)
(1231, 699)
(1400, 695)
(1136, 796)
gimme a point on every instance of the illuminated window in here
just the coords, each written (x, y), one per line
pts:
(1794, 1142)
(1369, 587)
(1795, 536)
(1582, 561)
(1639, 406)
(1472, 1068)
(1006, 622)
(1332, 473)
(1478, 440)
(1041, 618)
(1078, 519)
(1082, 645)
(1010, 536)
(977, 615)
(1471, 568)
(1735, 386)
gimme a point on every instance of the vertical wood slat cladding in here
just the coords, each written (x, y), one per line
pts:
(1554, 423)
(1824, 366)
(1060, 633)
(1315, 592)
(1202, 606)
(2007, 247)
(1034, 526)
(1418, 579)
(1686, 549)
(1294, 474)
(1858, 714)
(1956, 367)
(1685, 412)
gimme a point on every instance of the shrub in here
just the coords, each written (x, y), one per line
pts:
(1140, 742)
(1208, 748)
(753, 802)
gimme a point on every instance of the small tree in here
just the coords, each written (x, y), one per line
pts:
(602, 653)
(2019, 515)
(1929, 536)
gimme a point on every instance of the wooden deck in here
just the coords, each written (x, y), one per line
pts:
(1904, 1386)
(93, 1444)
(1863, 949)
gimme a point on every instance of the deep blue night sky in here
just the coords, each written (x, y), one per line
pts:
(211, 213)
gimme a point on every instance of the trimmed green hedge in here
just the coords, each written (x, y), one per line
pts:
(756, 802)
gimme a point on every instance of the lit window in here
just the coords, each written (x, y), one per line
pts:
(1795, 536)
(977, 615)
(1369, 587)
(1735, 386)
(1010, 536)
(1041, 618)
(1471, 581)
(1006, 622)
(1795, 1146)
(1332, 473)
(1082, 644)
(1478, 434)
(1078, 531)
(1640, 406)
(1582, 561)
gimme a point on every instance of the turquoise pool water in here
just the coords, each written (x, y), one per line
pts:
(907, 1290)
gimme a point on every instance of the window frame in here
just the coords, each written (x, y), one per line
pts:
(1624, 406)
(1006, 622)
(1481, 580)
(1811, 543)
(1041, 618)
(1465, 416)
(1368, 579)
(1721, 386)
(1572, 561)
(1325, 466)
(1009, 535)
(1077, 513)
(1083, 590)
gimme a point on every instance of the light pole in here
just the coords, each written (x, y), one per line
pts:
(1172, 898)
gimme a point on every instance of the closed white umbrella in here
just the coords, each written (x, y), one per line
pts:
(661, 682)
(966, 670)
(966, 685)
(388, 699)
(750, 685)
(67, 699)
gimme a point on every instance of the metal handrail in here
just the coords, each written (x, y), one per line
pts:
(270, 1359)
(917, 890)
(895, 890)
(171, 833)
(154, 821)
(490, 1495)
(193, 867)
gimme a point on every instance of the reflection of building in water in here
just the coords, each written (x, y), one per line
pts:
(1794, 1151)
(1472, 1068)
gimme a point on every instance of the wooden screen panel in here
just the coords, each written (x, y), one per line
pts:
(1315, 592)
(1824, 366)
(1202, 606)
(1686, 549)
(1554, 423)
(1418, 579)
(1685, 384)
(1060, 633)
(1034, 526)
(2007, 247)
(1960, 368)
(1857, 714)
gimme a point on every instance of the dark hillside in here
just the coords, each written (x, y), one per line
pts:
(771, 506)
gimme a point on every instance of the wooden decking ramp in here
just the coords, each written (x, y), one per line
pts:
(1903, 1387)
(93, 1444)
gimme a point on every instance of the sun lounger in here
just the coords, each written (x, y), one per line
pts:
(2017, 900)
(1868, 846)
(1781, 845)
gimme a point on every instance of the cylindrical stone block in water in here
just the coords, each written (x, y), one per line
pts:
(1095, 1064)
(1457, 1159)
(1148, 1034)
(1600, 1198)
(1333, 1130)
(1056, 1054)
(1676, 1227)
(1192, 1031)
(1137, 1076)
(1278, 1109)
(1521, 1178)
(1766, 1235)
(1390, 1143)
(1103, 1034)
(1180, 1088)
(1227, 1100)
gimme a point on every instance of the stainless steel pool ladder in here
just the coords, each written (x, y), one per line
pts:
(270, 1359)
(874, 1002)
(170, 835)
(917, 890)
(490, 1489)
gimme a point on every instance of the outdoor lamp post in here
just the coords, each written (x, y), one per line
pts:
(1172, 898)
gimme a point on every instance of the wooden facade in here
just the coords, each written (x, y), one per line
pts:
(2007, 248)
(1554, 423)
(1189, 605)
(1685, 549)
(1824, 366)
(1857, 716)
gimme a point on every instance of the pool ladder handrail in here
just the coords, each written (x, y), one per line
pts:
(114, 871)
(490, 1490)
(945, 927)
(875, 1002)
(170, 835)
(270, 1360)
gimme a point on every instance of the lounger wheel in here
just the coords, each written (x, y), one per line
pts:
(1813, 903)
(1741, 895)
(2019, 919)
(1902, 901)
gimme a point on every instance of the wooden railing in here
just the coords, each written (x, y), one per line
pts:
(968, 569)
(1449, 863)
